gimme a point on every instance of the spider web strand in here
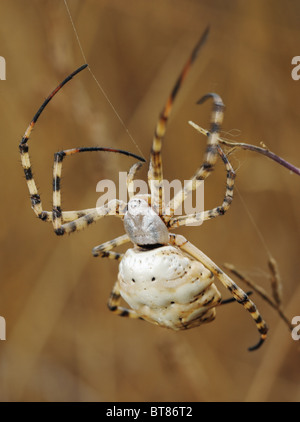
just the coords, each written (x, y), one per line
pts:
(98, 83)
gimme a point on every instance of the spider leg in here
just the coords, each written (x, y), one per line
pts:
(275, 300)
(36, 203)
(114, 207)
(232, 299)
(210, 156)
(130, 177)
(114, 304)
(67, 216)
(104, 250)
(50, 216)
(23, 148)
(236, 291)
(111, 255)
(199, 217)
(56, 215)
(155, 173)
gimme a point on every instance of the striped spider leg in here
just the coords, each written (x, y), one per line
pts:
(239, 295)
(197, 217)
(114, 301)
(209, 161)
(155, 173)
(65, 221)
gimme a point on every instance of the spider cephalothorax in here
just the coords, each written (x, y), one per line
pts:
(164, 278)
(143, 225)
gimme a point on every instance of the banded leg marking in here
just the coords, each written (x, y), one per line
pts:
(155, 174)
(129, 181)
(93, 214)
(23, 148)
(104, 250)
(114, 207)
(114, 304)
(210, 156)
(215, 212)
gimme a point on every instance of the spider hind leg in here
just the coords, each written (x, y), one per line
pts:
(114, 304)
(240, 296)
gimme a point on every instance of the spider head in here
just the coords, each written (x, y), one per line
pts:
(143, 225)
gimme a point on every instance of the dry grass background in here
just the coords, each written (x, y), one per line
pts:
(62, 342)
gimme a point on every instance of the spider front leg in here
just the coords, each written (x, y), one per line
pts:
(210, 156)
(155, 173)
(114, 207)
(239, 295)
(23, 148)
(130, 178)
(185, 220)
(35, 198)
(75, 220)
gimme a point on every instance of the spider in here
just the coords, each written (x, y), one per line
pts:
(164, 278)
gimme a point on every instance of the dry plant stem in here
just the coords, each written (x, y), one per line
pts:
(276, 283)
(250, 147)
(275, 280)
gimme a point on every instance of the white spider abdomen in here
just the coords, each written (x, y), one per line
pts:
(168, 288)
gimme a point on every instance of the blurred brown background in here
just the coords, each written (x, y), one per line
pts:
(62, 342)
